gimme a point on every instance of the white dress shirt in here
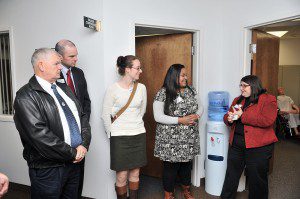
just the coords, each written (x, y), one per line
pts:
(64, 71)
(47, 87)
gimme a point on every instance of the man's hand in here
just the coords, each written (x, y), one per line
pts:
(283, 112)
(3, 184)
(81, 152)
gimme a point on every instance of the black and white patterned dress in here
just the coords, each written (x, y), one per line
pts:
(178, 142)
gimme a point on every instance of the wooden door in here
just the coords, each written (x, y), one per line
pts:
(265, 62)
(157, 54)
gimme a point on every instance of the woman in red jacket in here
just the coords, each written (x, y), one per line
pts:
(251, 118)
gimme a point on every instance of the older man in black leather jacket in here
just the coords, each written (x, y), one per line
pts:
(45, 132)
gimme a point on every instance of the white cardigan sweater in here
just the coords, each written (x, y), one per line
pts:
(130, 121)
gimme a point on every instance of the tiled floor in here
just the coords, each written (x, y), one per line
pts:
(155, 191)
(284, 182)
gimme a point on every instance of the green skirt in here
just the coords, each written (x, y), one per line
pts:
(127, 152)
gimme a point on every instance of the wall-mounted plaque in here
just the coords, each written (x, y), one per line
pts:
(91, 23)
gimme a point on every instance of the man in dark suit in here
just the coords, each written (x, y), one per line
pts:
(69, 53)
(54, 130)
(74, 77)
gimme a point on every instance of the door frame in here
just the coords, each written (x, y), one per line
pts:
(248, 40)
(198, 77)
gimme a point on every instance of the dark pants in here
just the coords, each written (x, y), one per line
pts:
(55, 183)
(170, 172)
(81, 164)
(256, 161)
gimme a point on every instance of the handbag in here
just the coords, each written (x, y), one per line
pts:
(126, 105)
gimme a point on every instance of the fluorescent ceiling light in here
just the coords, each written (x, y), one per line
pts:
(277, 33)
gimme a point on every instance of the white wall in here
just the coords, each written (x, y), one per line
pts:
(38, 24)
(204, 16)
(290, 80)
(289, 52)
(289, 68)
(41, 23)
(237, 17)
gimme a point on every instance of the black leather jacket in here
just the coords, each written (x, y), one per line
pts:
(38, 122)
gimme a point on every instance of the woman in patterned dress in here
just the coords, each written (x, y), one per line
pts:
(176, 112)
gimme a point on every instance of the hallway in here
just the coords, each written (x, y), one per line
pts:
(285, 179)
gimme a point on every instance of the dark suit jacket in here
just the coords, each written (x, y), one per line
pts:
(81, 90)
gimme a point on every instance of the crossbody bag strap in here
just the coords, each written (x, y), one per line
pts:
(127, 104)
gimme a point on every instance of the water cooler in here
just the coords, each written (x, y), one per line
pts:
(217, 141)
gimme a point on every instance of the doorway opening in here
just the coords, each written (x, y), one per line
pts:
(274, 57)
(158, 48)
(276, 61)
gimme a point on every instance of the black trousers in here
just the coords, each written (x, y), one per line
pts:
(256, 161)
(170, 172)
(55, 183)
(81, 179)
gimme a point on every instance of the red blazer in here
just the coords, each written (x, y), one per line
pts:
(258, 120)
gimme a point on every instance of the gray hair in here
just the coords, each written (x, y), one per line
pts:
(41, 53)
(60, 46)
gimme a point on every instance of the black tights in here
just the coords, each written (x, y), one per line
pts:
(170, 172)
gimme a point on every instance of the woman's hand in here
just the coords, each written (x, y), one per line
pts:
(195, 117)
(230, 117)
(186, 120)
(238, 112)
(235, 115)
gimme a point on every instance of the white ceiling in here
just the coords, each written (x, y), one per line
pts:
(293, 28)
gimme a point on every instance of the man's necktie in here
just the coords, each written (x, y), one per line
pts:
(73, 126)
(70, 81)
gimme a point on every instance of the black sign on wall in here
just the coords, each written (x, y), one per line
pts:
(91, 23)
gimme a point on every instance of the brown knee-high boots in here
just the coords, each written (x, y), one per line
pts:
(121, 192)
(169, 195)
(187, 192)
(133, 190)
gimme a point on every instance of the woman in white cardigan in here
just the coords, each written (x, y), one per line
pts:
(127, 133)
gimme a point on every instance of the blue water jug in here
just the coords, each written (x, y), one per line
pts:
(218, 105)
(218, 98)
(216, 113)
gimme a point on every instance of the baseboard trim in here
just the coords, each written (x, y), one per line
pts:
(19, 187)
(202, 181)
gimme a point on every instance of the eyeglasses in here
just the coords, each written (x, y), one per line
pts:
(244, 85)
(139, 68)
